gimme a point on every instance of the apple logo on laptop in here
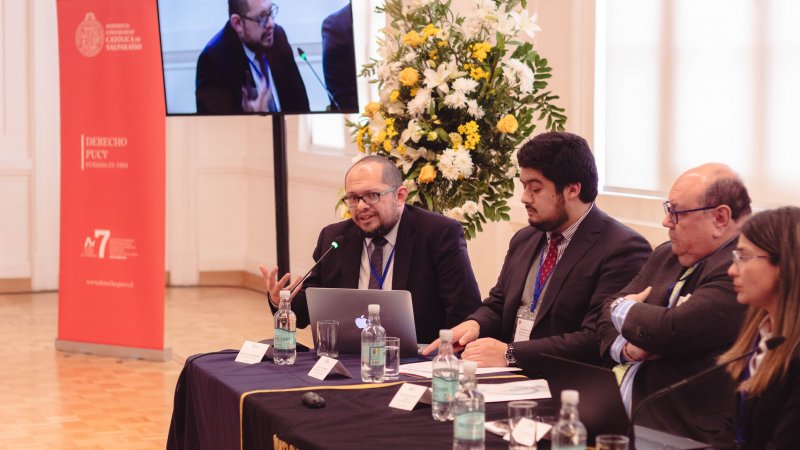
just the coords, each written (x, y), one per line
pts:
(361, 322)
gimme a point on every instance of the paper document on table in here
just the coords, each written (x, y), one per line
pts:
(515, 390)
(425, 369)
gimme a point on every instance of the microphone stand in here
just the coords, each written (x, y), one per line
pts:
(772, 343)
(330, 96)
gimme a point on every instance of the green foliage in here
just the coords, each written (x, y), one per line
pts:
(459, 94)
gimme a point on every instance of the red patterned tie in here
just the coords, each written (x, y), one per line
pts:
(550, 258)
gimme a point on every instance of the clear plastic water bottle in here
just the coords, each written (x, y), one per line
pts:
(285, 345)
(569, 433)
(445, 378)
(470, 412)
(373, 348)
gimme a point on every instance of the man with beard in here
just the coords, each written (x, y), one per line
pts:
(558, 271)
(249, 66)
(390, 245)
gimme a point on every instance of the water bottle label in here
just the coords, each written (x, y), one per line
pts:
(377, 355)
(285, 340)
(444, 388)
(468, 426)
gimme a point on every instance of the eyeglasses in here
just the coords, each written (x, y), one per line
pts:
(738, 257)
(264, 19)
(369, 198)
(673, 214)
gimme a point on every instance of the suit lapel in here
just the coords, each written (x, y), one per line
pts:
(584, 238)
(403, 249)
(351, 259)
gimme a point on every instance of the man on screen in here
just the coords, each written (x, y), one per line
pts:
(249, 66)
(390, 245)
(558, 271)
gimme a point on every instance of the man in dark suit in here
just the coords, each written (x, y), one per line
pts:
(339, 59)
(419, 251)
(680, 312)
(249, 66)
(558, 271)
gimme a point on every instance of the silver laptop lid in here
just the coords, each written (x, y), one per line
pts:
(349, 307)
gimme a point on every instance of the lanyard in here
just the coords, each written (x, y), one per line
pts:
(537, 289)
(380, 279)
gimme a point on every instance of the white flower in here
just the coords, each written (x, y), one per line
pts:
(411, 156)
(420, 103)
(518, 75)
(437, 79)
(464, 85)
(376, 125)
(463, 161)
(456, 100)
(411, 185)
(526, 23)
(470, 207)
(386, 71)
(410, 6)
(474, 109)
(455, 164)
(455, 213)
(412, 131)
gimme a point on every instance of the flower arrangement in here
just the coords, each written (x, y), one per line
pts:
(458, 95)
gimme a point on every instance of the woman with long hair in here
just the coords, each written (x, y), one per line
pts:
(766, 277)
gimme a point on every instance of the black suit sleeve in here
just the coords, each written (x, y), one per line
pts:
(458, 290)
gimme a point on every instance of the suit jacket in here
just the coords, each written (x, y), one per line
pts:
(602, 256)
(223, 68)
(688, 337)
(339, 59)
(770, 420)
(430, 261)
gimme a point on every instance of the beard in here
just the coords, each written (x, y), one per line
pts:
(558, 218)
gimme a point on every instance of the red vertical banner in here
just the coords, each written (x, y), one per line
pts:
(111, 286)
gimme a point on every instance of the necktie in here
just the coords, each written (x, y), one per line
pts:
(550, 259)
(376, 262)
(264, 65)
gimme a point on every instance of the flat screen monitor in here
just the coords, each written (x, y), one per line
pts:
(280, 56)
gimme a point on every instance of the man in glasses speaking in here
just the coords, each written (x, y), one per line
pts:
(390, 245)
(248, 67)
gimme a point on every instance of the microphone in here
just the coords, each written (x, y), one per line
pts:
(772, 343)
(330, 96)
(334, 245)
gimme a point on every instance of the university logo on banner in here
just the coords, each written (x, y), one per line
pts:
(111, 287)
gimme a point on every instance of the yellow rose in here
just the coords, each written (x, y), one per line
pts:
(427, 174)
(394, 96)
(409, 76)
(412, 38)
(507, 124)
(372, 108)
(432, 136)
(455, 140)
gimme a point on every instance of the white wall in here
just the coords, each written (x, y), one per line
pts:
(220, 213)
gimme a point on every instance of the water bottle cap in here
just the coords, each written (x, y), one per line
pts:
(285, 293)
(569, 396)
(374, 309)
(446, 335)
(470, 367)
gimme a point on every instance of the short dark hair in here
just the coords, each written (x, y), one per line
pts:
(391, 174)
(731, 192)
(239, 7)
(563, 158)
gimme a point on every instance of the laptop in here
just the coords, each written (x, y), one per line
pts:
(601, 409)
(349, 307)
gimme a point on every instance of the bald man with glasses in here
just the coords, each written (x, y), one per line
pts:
(248, 67)
(680, 312)
(387, 245)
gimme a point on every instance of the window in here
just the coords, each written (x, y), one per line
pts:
(683, 82)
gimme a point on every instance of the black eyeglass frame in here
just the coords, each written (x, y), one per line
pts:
(370, 198)
(263, 20)
(673, 214)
